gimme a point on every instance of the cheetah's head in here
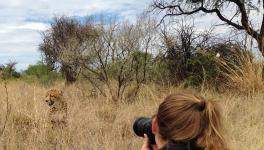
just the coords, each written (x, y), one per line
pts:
(52, 96)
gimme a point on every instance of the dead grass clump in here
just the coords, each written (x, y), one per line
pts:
(245, 74)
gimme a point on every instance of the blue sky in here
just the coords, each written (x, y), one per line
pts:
(22, 21)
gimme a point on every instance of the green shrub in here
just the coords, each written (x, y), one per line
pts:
(41, 73)
(204, 69)
(201, 66)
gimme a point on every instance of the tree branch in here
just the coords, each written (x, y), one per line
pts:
(176, 10)
(262, 25)
(244, 18)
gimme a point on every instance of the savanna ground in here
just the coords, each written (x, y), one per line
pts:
(96, 123)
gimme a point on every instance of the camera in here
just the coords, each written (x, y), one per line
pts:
(143, 126)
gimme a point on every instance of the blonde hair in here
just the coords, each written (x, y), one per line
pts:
(188, 117)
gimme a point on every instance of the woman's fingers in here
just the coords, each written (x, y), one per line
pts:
(146, 144)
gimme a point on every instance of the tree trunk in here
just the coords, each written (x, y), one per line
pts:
(69, 74)
(70, 79)
(260, 41)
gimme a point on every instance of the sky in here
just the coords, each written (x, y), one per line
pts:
(22, 21)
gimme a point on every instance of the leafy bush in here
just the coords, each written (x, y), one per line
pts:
(203, 66)
(41, 73)
(203, 69)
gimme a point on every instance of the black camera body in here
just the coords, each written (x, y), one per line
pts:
(143, 126)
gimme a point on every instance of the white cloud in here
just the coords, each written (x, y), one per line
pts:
(31, 26)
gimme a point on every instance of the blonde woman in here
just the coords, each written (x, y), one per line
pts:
(187, 122)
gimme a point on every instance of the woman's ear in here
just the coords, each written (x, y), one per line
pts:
(154, 127)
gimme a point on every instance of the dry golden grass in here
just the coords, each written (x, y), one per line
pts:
(245, 75)
(99, 124)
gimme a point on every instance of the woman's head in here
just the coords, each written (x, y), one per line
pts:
(188, 117)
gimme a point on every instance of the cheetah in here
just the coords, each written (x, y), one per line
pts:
(57, 107)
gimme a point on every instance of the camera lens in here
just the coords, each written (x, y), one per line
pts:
(143, 126)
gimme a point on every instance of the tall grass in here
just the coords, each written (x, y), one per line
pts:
(96, 123)
(244, 74)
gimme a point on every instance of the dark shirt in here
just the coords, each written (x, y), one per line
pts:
(181, 145)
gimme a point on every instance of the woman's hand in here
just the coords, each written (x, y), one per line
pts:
(146, 145)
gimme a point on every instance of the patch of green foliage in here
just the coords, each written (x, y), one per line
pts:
(203, 68)
(42, 74)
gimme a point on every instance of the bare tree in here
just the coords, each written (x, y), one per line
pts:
(113, 62)
(67, 45)
(103, 48)
(240, 19)
(148, 40)
(10, 66)
(118, 53)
